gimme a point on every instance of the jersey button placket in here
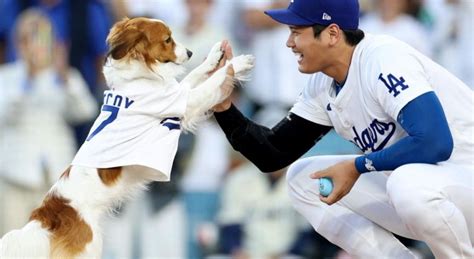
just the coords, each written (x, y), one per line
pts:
(343, 120)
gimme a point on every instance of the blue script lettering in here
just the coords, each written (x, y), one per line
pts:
(369, 137)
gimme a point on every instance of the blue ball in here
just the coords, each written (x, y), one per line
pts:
(325, 186)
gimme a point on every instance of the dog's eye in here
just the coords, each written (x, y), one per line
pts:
(168, 40)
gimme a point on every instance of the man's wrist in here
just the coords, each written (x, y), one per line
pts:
(222, 107)
(360, 165)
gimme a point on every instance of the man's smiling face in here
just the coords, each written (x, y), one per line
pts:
(311, 52)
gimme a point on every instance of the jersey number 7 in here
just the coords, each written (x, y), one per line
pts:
(113, 115)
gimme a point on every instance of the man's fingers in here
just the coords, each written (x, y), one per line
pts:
(318, 174)
(224, 44)
(230, 70)
(227, 55)
(336, 195)
(221, 62)
(331, 199)
(228, 52)
(325, 199)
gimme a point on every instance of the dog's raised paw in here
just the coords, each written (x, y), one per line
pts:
(243, 64)
(214, 57)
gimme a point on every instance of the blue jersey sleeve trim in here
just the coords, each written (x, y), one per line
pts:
(429, 138)
(359, 164)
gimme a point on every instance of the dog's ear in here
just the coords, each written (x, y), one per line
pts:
(123, 36)
(159, 45)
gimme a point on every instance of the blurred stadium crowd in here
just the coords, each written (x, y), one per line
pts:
(217, 205)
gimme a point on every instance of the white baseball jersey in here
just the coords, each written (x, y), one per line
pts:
(385, 74)
(139, 125)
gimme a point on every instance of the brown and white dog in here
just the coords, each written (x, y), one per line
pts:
(67, 224)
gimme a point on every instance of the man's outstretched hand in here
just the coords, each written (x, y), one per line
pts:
(228, 84)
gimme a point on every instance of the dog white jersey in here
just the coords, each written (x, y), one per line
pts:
(384, 75)
(139, 125)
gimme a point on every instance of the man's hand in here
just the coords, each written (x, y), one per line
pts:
(227, 55)
(227, 86)
(60, 62)
(343, 174)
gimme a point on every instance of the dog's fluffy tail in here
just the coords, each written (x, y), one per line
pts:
(32, 241)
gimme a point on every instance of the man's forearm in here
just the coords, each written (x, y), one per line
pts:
(270, 149)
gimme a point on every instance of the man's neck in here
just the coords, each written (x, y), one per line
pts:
(340, 67)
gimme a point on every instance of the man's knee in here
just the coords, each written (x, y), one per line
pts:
(301, 187)
(297, 167)
(312, 164)
(293, 178)
(409, 192)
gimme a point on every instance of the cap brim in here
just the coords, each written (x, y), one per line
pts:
(286, 16)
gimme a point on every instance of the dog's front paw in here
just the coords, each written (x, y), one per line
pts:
(243, 64)
(215, 55)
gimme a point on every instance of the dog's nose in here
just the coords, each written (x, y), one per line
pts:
(190, 53)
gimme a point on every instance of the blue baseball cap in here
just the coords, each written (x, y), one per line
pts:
(344, 13)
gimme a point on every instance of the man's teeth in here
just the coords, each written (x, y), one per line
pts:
(299, 56)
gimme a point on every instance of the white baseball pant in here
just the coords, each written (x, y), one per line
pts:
(431, 203)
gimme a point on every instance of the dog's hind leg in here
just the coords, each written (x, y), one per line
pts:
(32, 241)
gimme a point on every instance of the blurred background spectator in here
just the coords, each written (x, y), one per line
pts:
(198, 33)
(392, 17)
(453, 37)
(201, 184)
(256, 218)
(81, 26)
(275, 65)
(207, 159)
(43, 97)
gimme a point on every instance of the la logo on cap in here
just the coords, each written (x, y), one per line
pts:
(292, 1)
